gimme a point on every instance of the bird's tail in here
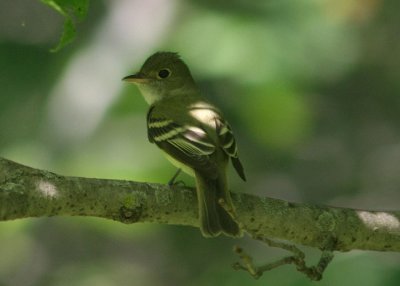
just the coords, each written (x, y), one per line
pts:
(214, 219)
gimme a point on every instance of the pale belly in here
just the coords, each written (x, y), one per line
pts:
(179, 165)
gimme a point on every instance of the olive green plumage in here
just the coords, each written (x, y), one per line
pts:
(193, 134)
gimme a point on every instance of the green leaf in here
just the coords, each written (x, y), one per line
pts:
(73, 11)
(67, 36)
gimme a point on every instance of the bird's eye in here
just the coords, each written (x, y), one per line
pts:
(164, 73)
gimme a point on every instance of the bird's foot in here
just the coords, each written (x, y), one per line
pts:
(172, 181)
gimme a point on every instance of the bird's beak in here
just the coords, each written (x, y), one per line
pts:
(136, 78)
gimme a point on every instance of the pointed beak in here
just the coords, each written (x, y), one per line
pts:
(136, 78)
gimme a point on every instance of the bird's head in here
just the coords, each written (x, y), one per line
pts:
(162, 74)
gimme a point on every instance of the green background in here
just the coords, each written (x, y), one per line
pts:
(311, 89)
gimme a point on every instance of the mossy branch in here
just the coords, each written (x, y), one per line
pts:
(28, 192)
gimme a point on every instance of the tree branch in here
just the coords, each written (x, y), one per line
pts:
(28, 192)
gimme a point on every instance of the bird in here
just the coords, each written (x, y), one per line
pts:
(194, 136)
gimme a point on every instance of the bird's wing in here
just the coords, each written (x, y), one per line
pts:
(188, 144)
(228, 144)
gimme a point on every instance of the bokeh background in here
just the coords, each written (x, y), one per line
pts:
(310, 87)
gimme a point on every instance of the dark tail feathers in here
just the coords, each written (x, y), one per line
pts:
(214, 219)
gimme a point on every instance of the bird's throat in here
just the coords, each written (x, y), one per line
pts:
(150, 94)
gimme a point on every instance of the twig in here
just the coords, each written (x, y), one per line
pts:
(298, 257)
(313, 272)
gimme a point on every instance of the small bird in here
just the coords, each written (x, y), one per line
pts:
(194, 136)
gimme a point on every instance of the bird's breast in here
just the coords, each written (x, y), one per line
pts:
(180, 165)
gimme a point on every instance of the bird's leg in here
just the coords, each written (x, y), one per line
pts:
(172, 181)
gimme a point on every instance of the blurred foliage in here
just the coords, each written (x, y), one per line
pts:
(310, 87)
(72, 11)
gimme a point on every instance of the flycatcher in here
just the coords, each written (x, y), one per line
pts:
(193, 134)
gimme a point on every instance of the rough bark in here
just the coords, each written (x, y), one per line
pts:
(27, 192)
